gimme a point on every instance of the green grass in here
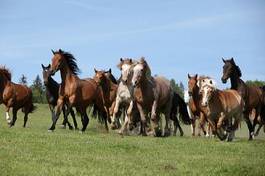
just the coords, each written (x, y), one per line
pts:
(34, 151)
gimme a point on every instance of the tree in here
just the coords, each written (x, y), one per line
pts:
(178, 88)
(38, 91)
(255, 83)
(23, 80)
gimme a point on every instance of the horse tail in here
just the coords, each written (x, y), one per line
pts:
(178, 102)
(99, 114)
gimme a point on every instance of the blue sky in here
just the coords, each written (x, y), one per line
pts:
(176, 37)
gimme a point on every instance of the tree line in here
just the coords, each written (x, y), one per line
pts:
(39, 95)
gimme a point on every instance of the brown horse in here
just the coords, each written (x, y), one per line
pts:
(75, 92)
(151, 94)
(222, 106)
(197, 110)
(109, 89)
(14, 96)
(251, 95)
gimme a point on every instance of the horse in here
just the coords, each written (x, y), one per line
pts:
(75, 92)
(250, 94)
(196, 109)
(52, 94)
(124, 95)
(107, 82)
(151, 94)
(179, 107)
(222, 106)
(261, 118)
(15, 96)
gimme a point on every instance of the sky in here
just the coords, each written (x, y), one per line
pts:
(176, 37)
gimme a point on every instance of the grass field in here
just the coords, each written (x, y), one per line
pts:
(34, 151)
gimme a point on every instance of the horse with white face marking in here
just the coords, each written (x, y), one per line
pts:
(222, 106)
(152, 95)
(124, 93)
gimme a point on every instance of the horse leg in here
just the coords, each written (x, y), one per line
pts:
(73, 117)
(143, 120)
(177, 125)
(8, 119)
(202, 123)
(193, 126)
(125, 125)
(154, 119)
(66, 112)
(25, 119)
(115, 111)
(250, 127)
(85, 120)
(57, 113)
(14, 117)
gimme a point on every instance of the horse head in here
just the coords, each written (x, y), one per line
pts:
(230, 69)
(141, 71)
(46, 73)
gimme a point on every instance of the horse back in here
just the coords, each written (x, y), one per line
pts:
(254, 96)
(163, 90)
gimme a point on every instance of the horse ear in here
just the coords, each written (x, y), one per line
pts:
(95, 70)
(232, 60)
(196, 76)
(43, 67)
(53, 52)
(130, 60)
(60, 51)
(110, 70)
(189, 76)
(49, 66)
(121, 59)
(223, 60)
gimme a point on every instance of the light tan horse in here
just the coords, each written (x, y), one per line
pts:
(222, 106)
(151, 94)
(75, 92)
(14, 96)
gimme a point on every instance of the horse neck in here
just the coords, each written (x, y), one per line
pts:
(106, 87)
(196, 94)
(3, 85)
(66, 74)
(52, 86)
(235, 81)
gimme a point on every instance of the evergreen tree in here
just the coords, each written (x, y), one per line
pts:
(38, 91)
(23, 80)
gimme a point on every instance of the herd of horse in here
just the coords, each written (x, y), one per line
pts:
(139, 100)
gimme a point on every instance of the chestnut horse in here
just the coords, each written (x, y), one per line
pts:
(197, 110)
(151, 94)
(74, 92)
(252, 95)
(222, 106)
(14, 96)
(52, 94)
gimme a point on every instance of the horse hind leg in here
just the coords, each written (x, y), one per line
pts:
(177, 126)
(25, 120)
(66, 112)
(73, 117)
(12, 123)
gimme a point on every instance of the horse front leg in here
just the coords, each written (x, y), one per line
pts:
(155, 120)
(57, 113)
(12, 123)
(115, 111)
(143, 120)
(8, 119)
(73, 117)
(202, 121)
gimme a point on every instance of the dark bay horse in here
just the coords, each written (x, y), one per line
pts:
(109, 88)
(250, 94)
(52, 95)
(222, 106)
(74, 92)
(152, 95)
(15, 96)
(179, 107)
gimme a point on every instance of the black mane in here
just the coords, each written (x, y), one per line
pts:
(71, 61)
(237, 70)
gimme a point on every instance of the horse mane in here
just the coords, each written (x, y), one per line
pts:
(126, 61)
(148, 73)
(70, 60)
(112, 78)
(237, 69)
(6, 72)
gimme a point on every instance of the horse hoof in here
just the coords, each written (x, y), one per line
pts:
(50, 131)
(63, 127)
(71, 128)
(181, 134)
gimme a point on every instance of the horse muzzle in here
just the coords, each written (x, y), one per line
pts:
(224, 80)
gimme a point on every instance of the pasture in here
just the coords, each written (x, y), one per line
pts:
(35, 151)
